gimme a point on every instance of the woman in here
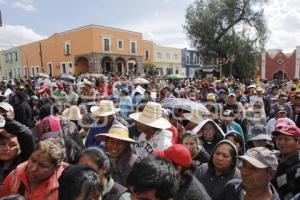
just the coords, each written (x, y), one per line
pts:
(37, 178)
(99, 161)
(9, 155)
(220, 169)
(191, 142)
(117, 144)
(79, 183)
(209, 134)
(237, 139)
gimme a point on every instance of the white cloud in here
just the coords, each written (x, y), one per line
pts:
(26, 5)
(2, 2)
(11, 36)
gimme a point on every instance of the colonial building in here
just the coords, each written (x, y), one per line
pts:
(167, 60)
(10, 63)
(90, 48)
(274, 64)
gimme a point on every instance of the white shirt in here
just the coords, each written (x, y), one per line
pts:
(161, 140)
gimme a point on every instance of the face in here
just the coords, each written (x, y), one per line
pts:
(115, 147)
(222, 158)
(86, 160)
(281, 114)
(253, 177)
(190, 144)
(260, 143)
(287, 145)
(208, 132)
(190, 126)
(39, 167)
(148, 195)
(235, 142)
(9, 148)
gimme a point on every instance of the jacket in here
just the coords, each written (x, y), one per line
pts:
(17, 182)
(23, 113)
(213, 183)
(209, 145)
(240, 138)
(114, 191)
(201, 157)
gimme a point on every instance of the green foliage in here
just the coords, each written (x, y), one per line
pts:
(230, 29)
(150, 67)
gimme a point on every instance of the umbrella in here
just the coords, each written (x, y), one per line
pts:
(140, 81)
(174, 77)
(43, 81)
(185, 104)
(43, 75)
(96, 75)
(66, 77)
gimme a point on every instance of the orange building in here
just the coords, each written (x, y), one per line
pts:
(90, 48)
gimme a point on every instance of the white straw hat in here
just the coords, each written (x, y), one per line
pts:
(117, 131)
(152, 116)
(196, 116)
(72, 113)
(105, 108)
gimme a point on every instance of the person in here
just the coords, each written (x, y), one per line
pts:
(209, 134)
(258, 166)
(220, 169)
(79, 182)
(191, 142)
(97, 159)
(59, 93)
(258, 137)
(125, 103)
(194, 118)
(9, 155)
(85, 123)
(189, 187)
(34, 101)
(228, 117)
(256, 115)
(71, 96)
(13, 197)
(287, 178)
(105, 114)
(281, 113)
(237, 139)
(152, 178)
(117, 144)
(22, 109)
(152, 126)
(37, 178)
(282, 102)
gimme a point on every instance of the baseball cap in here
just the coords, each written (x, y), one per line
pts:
(283, 96)
(259, 132)
(7, 107)
(228, 113)
(261, 157)
(125, 90)
(280, 109)
(231, 95)
(243, 99)
(49, 127)
(291, 130)
(177, 154)
(282, 122)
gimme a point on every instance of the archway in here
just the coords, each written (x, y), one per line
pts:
(81, 65)
(107, 64)
(132, 66)
(279, 75)
(120, 65)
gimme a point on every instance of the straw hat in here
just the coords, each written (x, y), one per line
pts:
(195, 116)
(72, 113)
(152, 116)
(105, 108)
(117, 131)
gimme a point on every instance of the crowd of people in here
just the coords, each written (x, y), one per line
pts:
(147, 138)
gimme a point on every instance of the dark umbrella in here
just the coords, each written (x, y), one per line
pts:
(66, 77)
(185, 104)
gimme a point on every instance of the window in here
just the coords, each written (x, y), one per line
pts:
(120, 44)
(37, 70)
(16, 56)
(176, 71)
(107, 44)
(10, 57)
(159, 55)
(50, 69)
(133, 47)
(6, 58)
(169, 71)
(168, 56)
(188, 59)
(63, 68)
(32, 71)
(70, 68)
(176, 56)
(67, 48)
(147, 55)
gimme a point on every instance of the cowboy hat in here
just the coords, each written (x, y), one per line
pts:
(152, 116)
(72, 113)
(117, 131)
(105, 108)
(195, 116)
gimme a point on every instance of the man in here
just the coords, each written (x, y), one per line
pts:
(287, 179)
(71, 96)
(22, 109)
(257, 167)
(152, 125)
(230, 124)
(282, 101)
(104, 112)
(152, 179)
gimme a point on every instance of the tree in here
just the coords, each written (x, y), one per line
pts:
(150, 68)
(234, 30)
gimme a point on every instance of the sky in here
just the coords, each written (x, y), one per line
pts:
(159, 20)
